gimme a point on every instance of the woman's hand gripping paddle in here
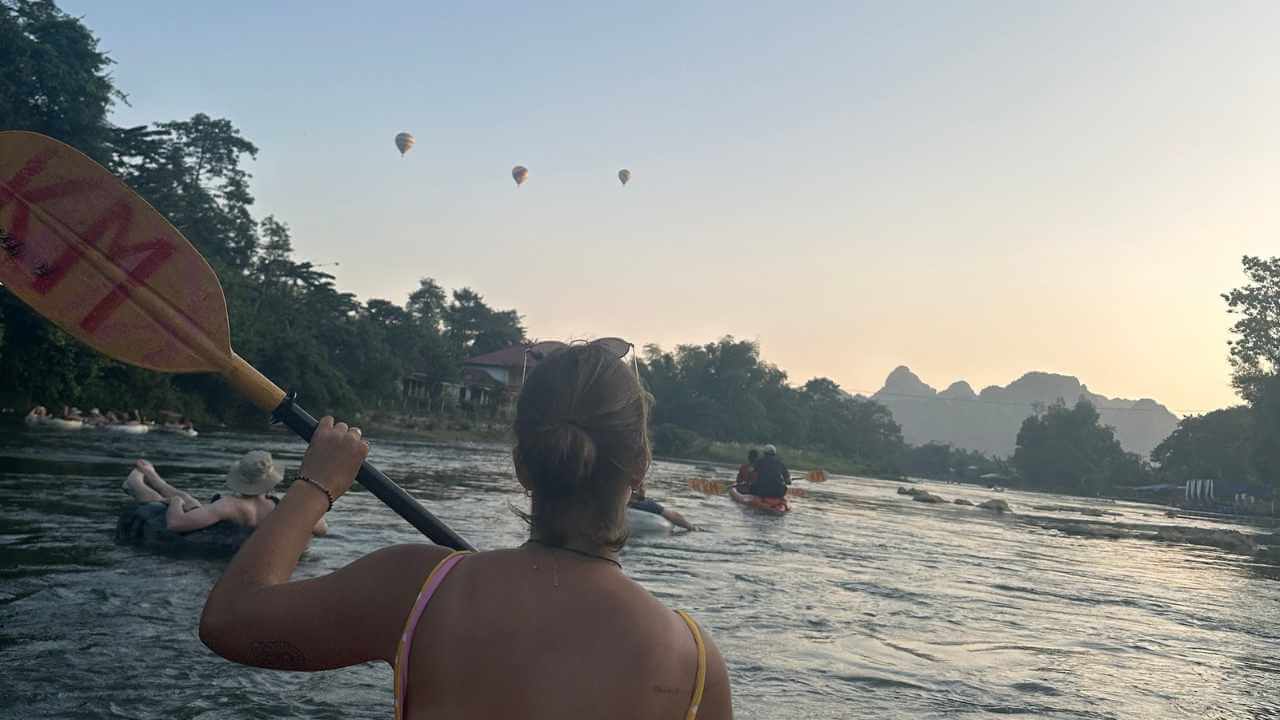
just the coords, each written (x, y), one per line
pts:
(85, 251)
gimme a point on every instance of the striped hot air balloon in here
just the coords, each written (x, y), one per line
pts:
(519, 173)
(404, 141)
(624, 175)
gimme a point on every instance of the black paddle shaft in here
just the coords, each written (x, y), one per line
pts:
(300, 421)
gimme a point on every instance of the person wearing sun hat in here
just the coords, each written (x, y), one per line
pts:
(254, 474)
(249, 480)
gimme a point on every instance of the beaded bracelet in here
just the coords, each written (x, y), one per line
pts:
(327, 492)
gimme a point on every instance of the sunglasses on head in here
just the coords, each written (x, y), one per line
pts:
(615, 346)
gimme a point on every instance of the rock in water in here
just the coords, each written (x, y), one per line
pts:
(998, 506)
(925, 496)
(1229, 540)
(962, 501)
(1091, 530)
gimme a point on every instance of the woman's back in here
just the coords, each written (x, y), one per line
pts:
(542, 633)
(552, 629)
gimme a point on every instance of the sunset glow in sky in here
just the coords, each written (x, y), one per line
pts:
(972, 189)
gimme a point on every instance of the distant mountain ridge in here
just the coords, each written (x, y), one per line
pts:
(988, 421)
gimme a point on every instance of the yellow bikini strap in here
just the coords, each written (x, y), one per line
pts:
(701, 679)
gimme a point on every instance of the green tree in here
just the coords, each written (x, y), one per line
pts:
(1255, 349)
(931, 460)
(724, 391)
(427, 305)
(55, 82)
(474, 328)
(1255, 361)
(55, 79)
(288, 317)
(192, 172)
(1068, 450)
(1218, 445)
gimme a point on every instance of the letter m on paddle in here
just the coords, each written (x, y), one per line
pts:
(104, 224)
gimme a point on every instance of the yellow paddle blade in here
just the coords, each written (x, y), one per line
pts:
(85, 251)
(816, 476)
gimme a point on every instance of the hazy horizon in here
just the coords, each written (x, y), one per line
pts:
(972, 190)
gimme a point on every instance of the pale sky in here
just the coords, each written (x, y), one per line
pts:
(975, 189)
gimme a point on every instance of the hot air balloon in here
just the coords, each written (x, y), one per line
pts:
(404, 141)
(519, 173)
(624, 175)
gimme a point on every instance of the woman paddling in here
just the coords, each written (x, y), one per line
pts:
(249, 480)
(550, 629)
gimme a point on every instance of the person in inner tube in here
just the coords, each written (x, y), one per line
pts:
(250, 480)
(639, 502)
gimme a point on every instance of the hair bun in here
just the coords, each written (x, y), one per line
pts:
(572, 456)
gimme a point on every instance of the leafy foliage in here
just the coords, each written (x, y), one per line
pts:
(288, 317)
(1255, 350)
(1216, 445)
(1067, 450)
(1255, 366)
(723, 391)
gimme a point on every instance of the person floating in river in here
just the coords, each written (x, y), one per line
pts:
(639, 502)
(249, 480)
(550, 629)
(772, 477)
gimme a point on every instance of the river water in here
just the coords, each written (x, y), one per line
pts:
(860, 603)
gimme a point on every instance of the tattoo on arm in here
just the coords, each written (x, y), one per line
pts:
(666, 690)
(277, 655)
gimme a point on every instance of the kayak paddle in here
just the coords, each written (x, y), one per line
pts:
(712, 486)
(88, 253)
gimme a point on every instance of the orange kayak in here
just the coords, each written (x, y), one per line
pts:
(777, 506)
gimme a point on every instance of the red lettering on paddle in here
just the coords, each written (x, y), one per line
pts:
(118, 217)
(158, 253)
(111, 226)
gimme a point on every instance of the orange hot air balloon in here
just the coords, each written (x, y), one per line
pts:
(519, 173)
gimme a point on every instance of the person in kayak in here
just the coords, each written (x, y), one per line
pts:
(550, 629)
(747, 472)
(249, 479)
(639, 502)
(772, 477)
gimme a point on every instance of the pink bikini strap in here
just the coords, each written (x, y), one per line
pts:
(429, 586)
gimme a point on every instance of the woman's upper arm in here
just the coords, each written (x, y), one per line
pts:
(350, 616)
